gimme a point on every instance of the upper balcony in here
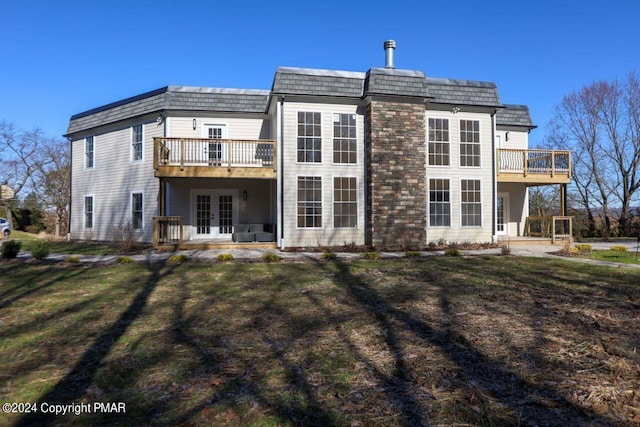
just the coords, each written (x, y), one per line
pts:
(214, 158)
(534, 167)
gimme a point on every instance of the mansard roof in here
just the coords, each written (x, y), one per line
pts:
(307, 82)
(463, 92)
(514, 115)
(184, 98)
(311, 81)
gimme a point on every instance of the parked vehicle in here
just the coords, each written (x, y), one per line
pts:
(5, 228)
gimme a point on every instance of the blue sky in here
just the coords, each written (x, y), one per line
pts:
(64, 57)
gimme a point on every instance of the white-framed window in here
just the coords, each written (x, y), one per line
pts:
(137, 139)
(309, 137)
(137, 205)
(89, 155)
(344, 138)
(439, 202)
(438, 142)
(345, 202)
(88, 211)
(469, 143)
(215, 152)
(470, 203)
(309, 202)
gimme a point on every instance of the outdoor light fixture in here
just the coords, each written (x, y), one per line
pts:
(245, 196)
(455, 110)
(506, 136)
(194, 124)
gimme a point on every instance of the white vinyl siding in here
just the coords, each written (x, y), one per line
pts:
(327, 234)
(455, 173)
(113, 180)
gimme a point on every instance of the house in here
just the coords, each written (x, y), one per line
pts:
(386, 157)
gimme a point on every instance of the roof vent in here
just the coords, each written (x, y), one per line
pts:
(389, 48)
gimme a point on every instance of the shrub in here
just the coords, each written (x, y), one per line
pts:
(271, 258)
(177, 259)
(73, 259)
(329, 256)
(10, 249)
(452, 252)
(124, 260)
(433, 245)
(442, 241)
(618, 248)
(40, 249)
(506, 249)
(583, 247)
(412, 254)
(225, 257)
(371, 255)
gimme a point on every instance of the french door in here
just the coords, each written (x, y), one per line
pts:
(502, 214)
(214, 212)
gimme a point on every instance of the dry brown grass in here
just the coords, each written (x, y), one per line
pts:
(429, 341)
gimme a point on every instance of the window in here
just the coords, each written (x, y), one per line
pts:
(88, 212)
(216, 150)
(136, 143)
(439, 203)
(136, 210)
(345, 203)
(438, 142)
(469, 143)
(470, 204)
(309, 137)
(88, 152)
(309, 202)
(344, 138)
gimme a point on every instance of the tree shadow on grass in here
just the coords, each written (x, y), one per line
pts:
(244, 377)
(492, 378)
(75, 383)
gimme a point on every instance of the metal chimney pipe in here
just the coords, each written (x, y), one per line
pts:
(389, 48)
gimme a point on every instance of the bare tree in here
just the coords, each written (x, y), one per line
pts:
(23, 154)
(53, 183)
(600, 123)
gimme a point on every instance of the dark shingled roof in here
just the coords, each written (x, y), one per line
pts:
(309, 81)
(514, 115)
(312, 82)
(389, 81)
(463, 92)
(172, 98)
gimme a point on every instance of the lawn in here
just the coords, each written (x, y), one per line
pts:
(423, 341)
(627, 257)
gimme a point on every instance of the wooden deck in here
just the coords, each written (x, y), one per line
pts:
(214, 158)
(534, 167)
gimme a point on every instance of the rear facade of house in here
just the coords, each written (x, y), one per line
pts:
(387, 157)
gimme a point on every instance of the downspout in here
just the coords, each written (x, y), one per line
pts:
(494, 204)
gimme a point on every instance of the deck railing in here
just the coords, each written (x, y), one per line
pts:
(214, 152)
(553, 227)
(167, 230)
(546, 162)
